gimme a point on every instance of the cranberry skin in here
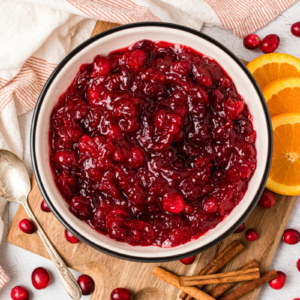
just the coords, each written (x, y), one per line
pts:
(291, 236)
(210, 204)
(27, 226)
(188, 260)
(267, 199)
(86, 284)
(251, 235)
(101, 66)
(278, 282)
(240, 228)
(295, 29)
(45, 207)
(120, 294)
(270, 43)
(70, 237)
(298, 264)
(174, 203)
(136, 60)
(19, 293)
(40, 278)
(252, 41)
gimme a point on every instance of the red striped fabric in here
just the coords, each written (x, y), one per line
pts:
(118, 11)
(27, 85)
(245, 16)
(4, 279)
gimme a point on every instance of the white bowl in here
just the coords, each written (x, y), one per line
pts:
(118, 38)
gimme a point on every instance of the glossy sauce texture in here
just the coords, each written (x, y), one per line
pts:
(152, 145)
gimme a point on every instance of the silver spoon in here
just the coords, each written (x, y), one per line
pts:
(15, 187)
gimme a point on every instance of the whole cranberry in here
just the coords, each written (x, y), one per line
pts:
(278, 282)
(19, 293)
(40, 278)
(210, 204)
(188, 260)
(86, 284)
(173, 202)
(45, 207)
(298, 264)
(251, 235)
(240, 228)
(120, 294)
(291, 236)
(270, 43)
(101, 66)
(267, 199)
(70, 237)
(27, 226)
(295, 29)
(252, 41)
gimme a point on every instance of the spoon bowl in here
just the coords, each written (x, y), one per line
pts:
(14, 179)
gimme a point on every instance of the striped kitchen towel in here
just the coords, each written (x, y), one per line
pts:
(4, 279)
(35, 36)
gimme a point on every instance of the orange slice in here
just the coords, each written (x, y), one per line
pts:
(283, 96)
(273, 66)
(284, 177)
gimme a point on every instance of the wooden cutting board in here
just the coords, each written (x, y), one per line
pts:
(109, 272)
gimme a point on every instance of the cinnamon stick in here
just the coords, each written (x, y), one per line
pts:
(174, 280)
(219, 275)
(220, 289)
(227, 279)
(218, 262)
(250, 286)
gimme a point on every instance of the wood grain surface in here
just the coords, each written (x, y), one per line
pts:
(109, 272)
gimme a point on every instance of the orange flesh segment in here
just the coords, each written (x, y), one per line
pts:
(285, 101)
(285, 167)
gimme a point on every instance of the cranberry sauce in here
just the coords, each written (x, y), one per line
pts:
(152, 145)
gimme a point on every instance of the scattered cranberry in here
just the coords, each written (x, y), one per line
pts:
(291, 236)
(267, 199)
(27, 226)
(173, 202)
(120, 294)
(70, 237)
(295, 29)
(270, 43)
(86, 284)
(40, 278)
(188, 260)
(298, 265)
(45, 207)
(278, 282)
(240, 228)
(251, 235)
(19, 293)
(252, 41)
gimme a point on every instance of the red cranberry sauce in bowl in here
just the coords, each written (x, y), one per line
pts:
(152, 145)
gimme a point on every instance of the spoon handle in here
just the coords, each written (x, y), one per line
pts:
(65, 274)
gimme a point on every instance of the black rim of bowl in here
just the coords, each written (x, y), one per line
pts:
(137, 258)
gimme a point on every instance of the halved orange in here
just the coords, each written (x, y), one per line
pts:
(283, 96)
(273, 66)
(284, 177)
